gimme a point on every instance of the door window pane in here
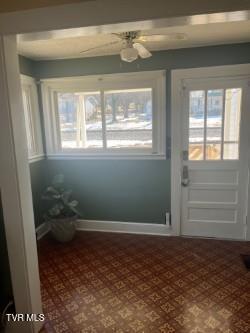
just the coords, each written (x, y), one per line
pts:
(232, 114)
(214, 114)
(222, 114)
(213, 134)
(196, 151)
(213, 151)
(196, 124)
(231, 151)
(128, 115)
(232, 123)
(80, 120)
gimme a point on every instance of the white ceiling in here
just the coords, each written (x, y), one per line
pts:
(197, 35)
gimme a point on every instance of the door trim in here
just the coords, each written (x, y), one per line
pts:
(177, 78)
(16, 192)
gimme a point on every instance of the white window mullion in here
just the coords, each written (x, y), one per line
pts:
(223, 124)
(205, 127)
(56, 123)
(156, 130)
(104, 136)
(83, 121)
(78, 122)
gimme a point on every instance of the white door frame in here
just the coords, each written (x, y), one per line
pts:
(16, 190)
(15, 185)
(177, 77)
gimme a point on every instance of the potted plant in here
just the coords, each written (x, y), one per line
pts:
(62, 212)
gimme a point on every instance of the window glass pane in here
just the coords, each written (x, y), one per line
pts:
(232, 114)
(93, 118)
(28, 121)
(214, 114)
(231, 151)
(213, 151)
(196, 124)
(80, 120)
(196, 151)
(67, 109)
(214, 134)
(128, 115)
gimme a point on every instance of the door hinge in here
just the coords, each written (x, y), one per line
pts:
(246, 220)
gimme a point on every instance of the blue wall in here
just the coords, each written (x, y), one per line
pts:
(169, 60)
(126, 190)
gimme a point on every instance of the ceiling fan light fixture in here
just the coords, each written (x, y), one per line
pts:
(129, 54)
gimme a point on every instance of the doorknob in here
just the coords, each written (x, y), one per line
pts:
(185, 176)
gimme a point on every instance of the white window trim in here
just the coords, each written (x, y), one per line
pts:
(150, 79)
(29, 83)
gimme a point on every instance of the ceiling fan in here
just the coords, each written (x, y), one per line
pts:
(133, 46)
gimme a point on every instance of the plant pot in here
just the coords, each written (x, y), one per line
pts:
(63, 229)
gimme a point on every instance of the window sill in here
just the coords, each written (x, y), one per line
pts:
(106, 157)
(36, 158)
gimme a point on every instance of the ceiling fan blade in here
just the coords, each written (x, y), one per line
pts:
(142, 51)
(100, 46)
(117, 34)
(163, 37)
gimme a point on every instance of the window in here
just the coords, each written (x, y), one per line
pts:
(214, 123)
(128, 115)
(120, 114)
(32, 118)
(80, 120)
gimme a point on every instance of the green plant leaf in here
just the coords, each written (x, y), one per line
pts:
(56, 196)
(66, 196)
(76, 211)
(47, 197)
(55, 211)
(51, 189)
(73, 203)
(62, 204)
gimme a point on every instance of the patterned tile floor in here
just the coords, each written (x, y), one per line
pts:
(105, 282)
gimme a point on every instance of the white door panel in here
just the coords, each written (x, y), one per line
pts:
(212, 195)
(215, 172)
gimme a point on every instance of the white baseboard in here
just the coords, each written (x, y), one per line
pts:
(114, 226)
(124, 227)
(42, 230)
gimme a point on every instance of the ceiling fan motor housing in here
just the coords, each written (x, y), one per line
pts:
(129, 54)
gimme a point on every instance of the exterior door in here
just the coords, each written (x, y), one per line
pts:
(214, 158)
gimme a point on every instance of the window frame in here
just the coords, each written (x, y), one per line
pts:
(29, 85)
(156, 80)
